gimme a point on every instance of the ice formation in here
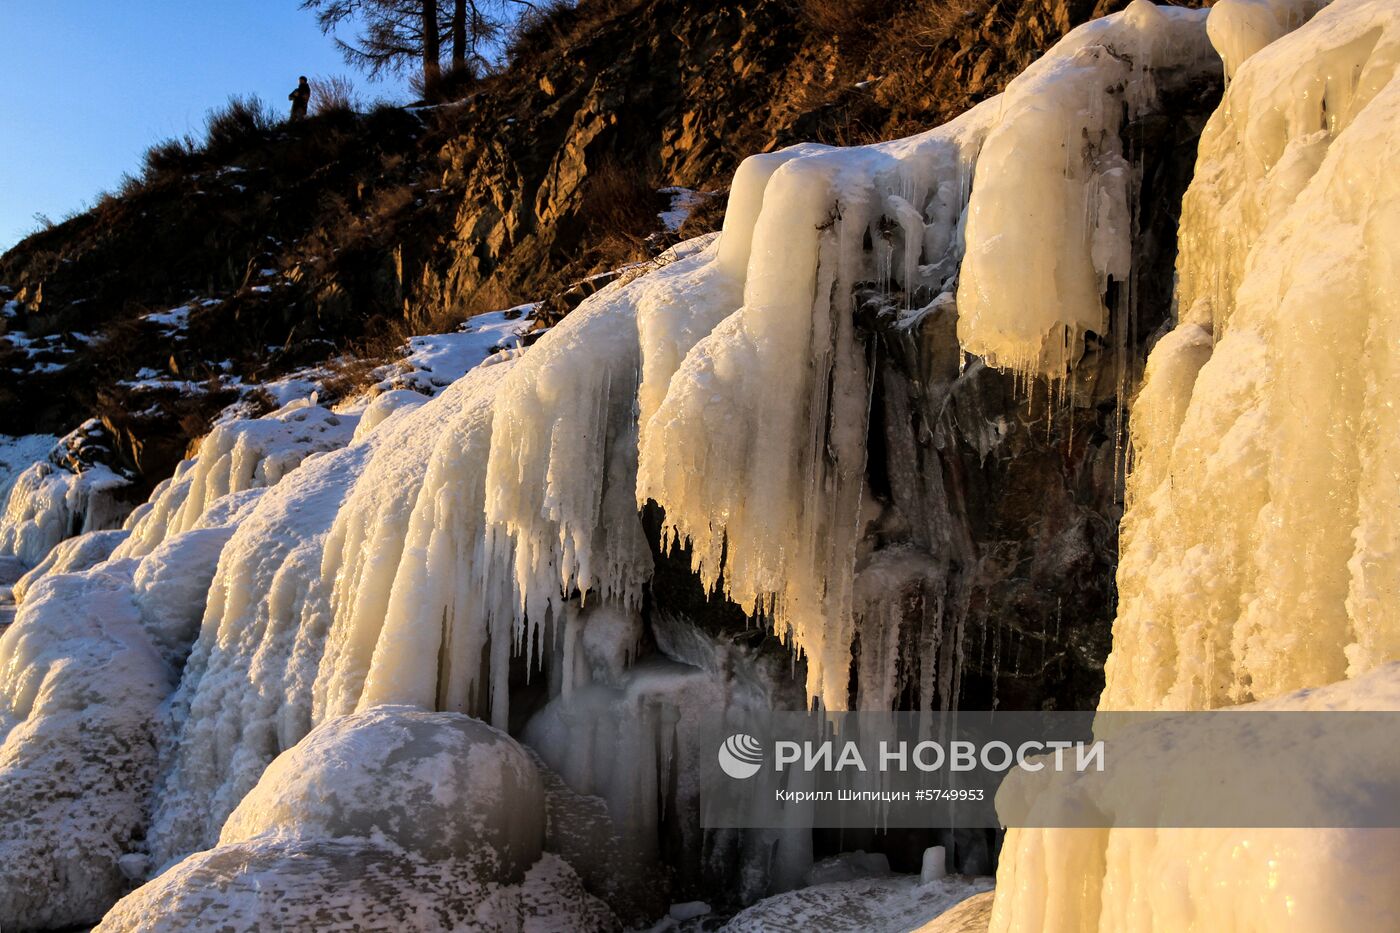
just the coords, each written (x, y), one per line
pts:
(1263, 434)
(1258, 554)
(79, 689)
(1050, 222)
(423, 482)
(234, 457)
(309, 569)
(756, 451)
(47, 504)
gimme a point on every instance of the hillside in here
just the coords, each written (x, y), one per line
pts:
(281, 246)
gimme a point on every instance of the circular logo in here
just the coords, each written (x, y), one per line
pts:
(740, 756)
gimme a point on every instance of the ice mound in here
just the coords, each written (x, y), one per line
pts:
(71, 556)
(384, 406)
(351, 886)
(878, 904)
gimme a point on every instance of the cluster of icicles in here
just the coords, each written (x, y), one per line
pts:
(727, 386)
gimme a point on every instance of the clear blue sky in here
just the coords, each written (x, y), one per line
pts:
(89, 84)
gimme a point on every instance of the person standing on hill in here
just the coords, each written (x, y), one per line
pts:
(300, 98)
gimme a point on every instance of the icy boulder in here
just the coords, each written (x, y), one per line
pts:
(389, 819)
(442, 785)
(889, 904)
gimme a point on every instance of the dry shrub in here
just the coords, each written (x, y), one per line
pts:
(386, 204)
(926, 25)
(171, 156)
(334, 94)
(850, 22)
(453, 84)
(243, 120)
(351, 373)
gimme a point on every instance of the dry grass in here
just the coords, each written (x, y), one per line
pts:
(849, 22)
(353, 371)
(620, 206)
(556, 24)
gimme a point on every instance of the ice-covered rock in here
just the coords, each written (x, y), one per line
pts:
(79, 690)
(350, 886)
(441, 785)
(970, 916)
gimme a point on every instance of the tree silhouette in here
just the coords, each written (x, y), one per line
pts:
(391, 36)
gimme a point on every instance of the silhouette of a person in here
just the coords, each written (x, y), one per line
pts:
(300, 98)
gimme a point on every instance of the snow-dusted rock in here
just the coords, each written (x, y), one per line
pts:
(389, 819)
